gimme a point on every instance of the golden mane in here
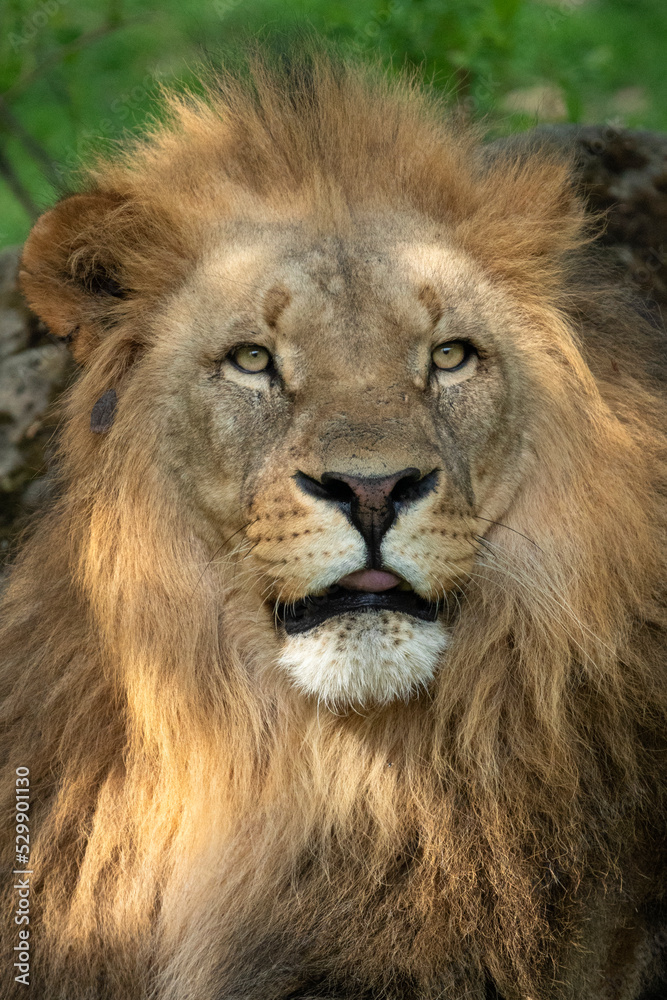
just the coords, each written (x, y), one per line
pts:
(527, 781)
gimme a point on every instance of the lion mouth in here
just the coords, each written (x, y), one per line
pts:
(313, 610)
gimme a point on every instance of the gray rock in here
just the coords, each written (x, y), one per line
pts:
(33, 370)
(28, 383)
(14, 332)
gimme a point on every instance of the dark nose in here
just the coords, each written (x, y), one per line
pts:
(370, 502)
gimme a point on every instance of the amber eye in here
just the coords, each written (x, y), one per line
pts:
(450, 355)
(250, 358)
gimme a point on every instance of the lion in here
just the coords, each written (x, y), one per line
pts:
(335, 664)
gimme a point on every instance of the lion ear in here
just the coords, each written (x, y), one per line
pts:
(70, 270)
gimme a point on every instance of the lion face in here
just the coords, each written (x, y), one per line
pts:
(355, 430)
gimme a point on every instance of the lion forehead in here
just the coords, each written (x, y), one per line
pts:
(308, 293)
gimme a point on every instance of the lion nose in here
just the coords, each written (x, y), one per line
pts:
(370, 502)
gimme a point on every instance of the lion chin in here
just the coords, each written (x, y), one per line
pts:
(367, 640)
(372, 657)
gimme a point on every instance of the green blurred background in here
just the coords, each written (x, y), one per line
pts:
(74, 74)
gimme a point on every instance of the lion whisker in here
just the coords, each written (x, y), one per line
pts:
(530, 583)
(478, 517)
(218, 550)
(544, 604)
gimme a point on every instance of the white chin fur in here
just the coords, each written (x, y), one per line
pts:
(371, 657)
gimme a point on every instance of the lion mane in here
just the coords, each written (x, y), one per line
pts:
(201, 826)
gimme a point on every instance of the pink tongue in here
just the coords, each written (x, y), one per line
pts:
(374, 580)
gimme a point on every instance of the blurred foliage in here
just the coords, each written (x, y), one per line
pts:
(75, 74)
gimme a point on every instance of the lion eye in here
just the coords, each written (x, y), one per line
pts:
(450, 355)
(250, 358)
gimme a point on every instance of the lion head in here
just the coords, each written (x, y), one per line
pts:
(344, 396)
(357, 534)
(347, 426)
